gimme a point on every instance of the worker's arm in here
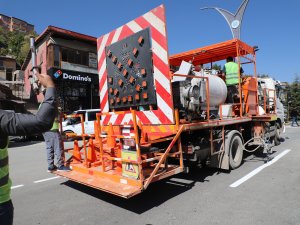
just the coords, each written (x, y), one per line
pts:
(23, 124)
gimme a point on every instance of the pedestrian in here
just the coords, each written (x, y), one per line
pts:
(54, 146)
(16, 124)
(231, 72)
(294, 115)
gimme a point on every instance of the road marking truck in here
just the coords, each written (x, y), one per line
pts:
(161, 114)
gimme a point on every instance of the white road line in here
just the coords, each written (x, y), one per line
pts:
(17, 186)
(51, 178)
(257, 170)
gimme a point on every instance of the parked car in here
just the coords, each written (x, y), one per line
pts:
(72, 126)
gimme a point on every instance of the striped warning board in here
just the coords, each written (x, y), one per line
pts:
(163, 113)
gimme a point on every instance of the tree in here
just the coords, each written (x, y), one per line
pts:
(15, 44)
(3, 41)
(293, 93)
(24, 49)
(216, 67)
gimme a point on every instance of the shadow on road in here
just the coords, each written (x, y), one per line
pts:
(156, 194)
(17, 144)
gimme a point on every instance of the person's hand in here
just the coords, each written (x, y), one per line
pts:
(45, 80)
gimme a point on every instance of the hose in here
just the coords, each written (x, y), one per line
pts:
(247, 150)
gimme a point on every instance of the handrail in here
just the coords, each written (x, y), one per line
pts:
(163, 157)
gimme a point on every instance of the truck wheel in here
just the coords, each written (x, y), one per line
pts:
(235, 149)
(277, 135)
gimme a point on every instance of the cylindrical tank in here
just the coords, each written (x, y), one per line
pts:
(217, 90)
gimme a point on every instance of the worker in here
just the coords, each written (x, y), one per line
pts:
(231, 73)
(15, 124)
(294, 115)
(53, 145)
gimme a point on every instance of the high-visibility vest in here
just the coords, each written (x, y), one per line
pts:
(55, 125)
(232, 73)
(5, 182)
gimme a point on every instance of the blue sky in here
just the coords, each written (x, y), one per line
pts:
(272, 25)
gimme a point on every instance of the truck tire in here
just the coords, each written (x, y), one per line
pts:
(277, 135)
(235, 148)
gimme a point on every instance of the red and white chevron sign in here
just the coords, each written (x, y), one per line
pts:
(155, 19)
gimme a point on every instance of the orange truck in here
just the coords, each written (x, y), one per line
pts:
(161, 114)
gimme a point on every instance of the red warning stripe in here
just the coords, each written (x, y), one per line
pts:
(156, 35)
(159, 12)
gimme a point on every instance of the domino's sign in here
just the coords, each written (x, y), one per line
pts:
(59, 74)
(76, 77)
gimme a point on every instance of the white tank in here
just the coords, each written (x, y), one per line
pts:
(217, 87)
(217, 90)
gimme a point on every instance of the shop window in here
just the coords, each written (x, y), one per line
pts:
(84, 59)
(64, 55)
(74, 56)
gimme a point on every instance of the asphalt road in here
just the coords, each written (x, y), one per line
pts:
(267, 194)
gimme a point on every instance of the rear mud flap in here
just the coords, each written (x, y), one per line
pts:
(220, 160)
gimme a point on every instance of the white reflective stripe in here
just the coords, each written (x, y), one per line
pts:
(152, 117)
(134, 26)
(102, 46)
(106, 108)
(113, 118)
(162, 79)
(117, 35)
(103, 90)
(126, 118)
(165, 108)
(102, 69)
(156, 22)
(160, 52)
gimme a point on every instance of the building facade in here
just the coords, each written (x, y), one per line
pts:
(71, 59)
(8, 66)
(15, 24)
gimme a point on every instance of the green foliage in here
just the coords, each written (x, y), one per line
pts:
(293, 93)
(15, 44)
(216, 67)
(3, 42)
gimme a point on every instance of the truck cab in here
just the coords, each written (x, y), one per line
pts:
(272, 99)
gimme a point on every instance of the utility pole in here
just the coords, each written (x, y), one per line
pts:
(234, 20)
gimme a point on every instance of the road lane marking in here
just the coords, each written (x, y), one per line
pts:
(257, 170)
(17, 186)
(43, 180)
